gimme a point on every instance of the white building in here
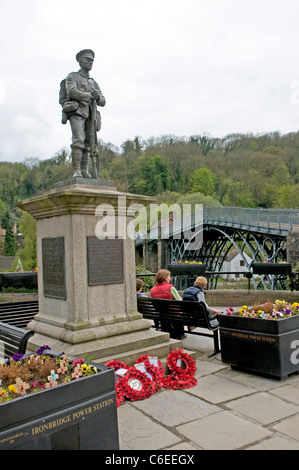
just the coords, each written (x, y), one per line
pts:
(235, 262)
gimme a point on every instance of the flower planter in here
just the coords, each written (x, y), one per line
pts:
(187, 269)
(79, 415)
(267, 347)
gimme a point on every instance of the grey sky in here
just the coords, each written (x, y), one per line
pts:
(164, 66)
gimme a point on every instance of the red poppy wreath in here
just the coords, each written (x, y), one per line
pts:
(174, 361)
(135, 385)
(156, 372)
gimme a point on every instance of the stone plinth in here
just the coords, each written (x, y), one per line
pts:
(87, 285)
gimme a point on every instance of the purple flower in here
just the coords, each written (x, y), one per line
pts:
(41, 350)
(17, 357)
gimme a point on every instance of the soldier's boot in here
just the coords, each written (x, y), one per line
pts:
(76, 163)
(84, 165)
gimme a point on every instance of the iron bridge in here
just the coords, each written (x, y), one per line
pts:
(259, 235)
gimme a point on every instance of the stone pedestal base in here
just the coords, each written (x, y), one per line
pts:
(87, 285)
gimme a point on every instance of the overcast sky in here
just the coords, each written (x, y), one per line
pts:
(165, 67)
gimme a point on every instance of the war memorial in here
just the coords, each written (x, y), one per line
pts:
(88, 308)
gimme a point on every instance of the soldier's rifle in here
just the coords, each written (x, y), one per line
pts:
(93, 142)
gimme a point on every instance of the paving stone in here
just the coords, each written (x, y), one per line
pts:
(138, 432)
(174, 407)
(276, 443)
(256, 381)
(263, 407)
(205, 367)
(223, 431)
(288, 392)
(290, 427)
(216, 389)
(182, 446)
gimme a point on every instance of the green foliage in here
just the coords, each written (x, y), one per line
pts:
(148, 281)
(203, 182)
(28, 251)
(10, 242)
(238, 170)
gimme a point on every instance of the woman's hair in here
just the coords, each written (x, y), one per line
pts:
(201, 282)
(139, 284)
(162, 275)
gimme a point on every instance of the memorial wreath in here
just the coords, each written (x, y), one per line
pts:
(146, 376)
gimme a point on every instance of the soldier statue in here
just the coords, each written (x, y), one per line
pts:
(79, 96)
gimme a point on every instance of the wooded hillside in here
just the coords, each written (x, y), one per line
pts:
(238, 170)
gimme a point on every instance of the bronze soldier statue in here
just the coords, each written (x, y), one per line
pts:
(79, 96)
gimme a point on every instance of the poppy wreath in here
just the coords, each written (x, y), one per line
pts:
(176, 383)
(157, 373)
(176, 370)
(114, 364)
(120, 398)
(135, 385)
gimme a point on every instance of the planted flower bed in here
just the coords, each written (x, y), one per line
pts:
(262, 339)
(51, 401)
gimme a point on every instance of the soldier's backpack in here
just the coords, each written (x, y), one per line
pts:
(62, 93)
(68, 106)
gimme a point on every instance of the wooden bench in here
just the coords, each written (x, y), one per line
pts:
(13, 340)
(182, 312)
(18, 313)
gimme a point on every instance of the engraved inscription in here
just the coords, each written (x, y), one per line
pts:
(250, 336)
(105, 261)
(46, 427)
(54, 267)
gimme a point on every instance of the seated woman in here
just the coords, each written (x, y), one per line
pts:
(164, 290)
(196, 294)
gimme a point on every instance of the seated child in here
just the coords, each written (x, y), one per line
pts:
(139, 286)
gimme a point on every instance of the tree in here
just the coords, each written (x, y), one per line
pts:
(202, 181)
(10, 242)
(28, 252)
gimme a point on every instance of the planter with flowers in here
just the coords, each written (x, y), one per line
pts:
(187, 268)
(262, 339)
(50, 401)
(185, 273)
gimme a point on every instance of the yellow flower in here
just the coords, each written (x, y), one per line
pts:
(84, 368)
(12, 388)
(2, 392)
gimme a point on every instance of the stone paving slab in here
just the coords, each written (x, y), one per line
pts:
(139, 432)
(276, 443)
(255, 381)
(263, 408)
(216, 389)
(223, 431)
(175, 407)
(290, 427)
(288, 392)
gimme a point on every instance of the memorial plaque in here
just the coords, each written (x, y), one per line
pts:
(54, 267)
(105, 261)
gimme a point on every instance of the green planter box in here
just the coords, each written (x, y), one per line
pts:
(255, 345)
(78, 415)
